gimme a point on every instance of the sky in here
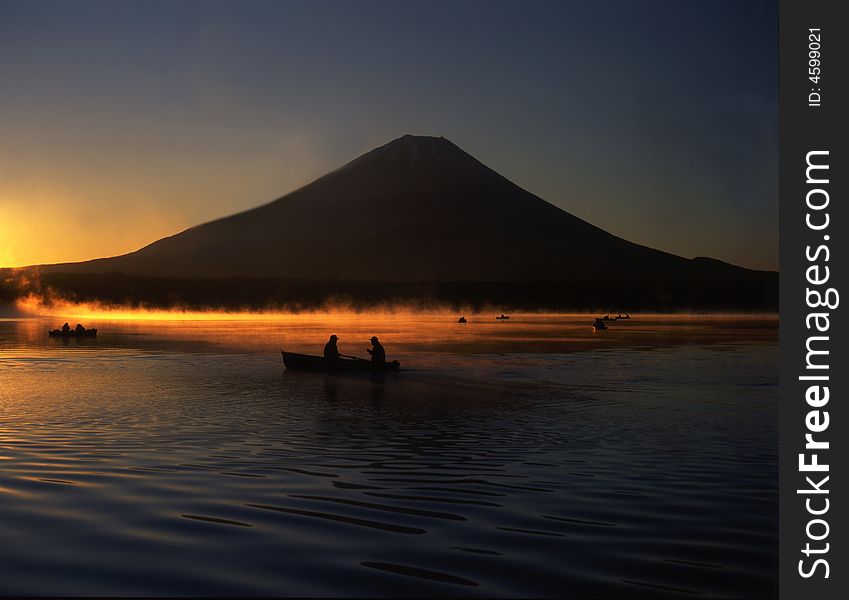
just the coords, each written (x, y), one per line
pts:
(123, 122)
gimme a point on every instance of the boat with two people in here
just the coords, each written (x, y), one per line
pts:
(334, 361)
(503, 317)
(76, 332)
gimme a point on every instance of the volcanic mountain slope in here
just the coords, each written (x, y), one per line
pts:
(415, 209)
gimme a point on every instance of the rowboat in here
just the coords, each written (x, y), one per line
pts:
(308, 362)
(72, 333)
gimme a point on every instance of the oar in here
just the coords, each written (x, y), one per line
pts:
(355, 358)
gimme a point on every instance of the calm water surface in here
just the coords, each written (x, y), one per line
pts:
(523, 458)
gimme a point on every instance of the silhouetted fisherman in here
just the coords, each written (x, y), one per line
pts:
(331, 352)
(66, 328)
(378, 353)
(79, 328)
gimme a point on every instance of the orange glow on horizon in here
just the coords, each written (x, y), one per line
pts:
(37, 306)
(95, 204)
(40, 231)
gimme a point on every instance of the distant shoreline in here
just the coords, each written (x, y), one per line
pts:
(759, 294)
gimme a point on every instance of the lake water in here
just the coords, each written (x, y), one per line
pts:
(531, 457)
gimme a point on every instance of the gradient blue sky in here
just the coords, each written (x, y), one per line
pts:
(131, 120)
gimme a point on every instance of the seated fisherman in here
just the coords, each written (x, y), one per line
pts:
(378, 353)
(331, 352)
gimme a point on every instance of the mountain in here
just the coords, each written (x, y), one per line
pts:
(416, 209)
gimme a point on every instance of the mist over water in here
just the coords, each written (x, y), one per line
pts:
(525, 458)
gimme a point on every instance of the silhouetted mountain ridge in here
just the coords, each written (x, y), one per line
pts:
(416, 209)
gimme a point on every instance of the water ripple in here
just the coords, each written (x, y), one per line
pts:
(420, 573)
(343, 519)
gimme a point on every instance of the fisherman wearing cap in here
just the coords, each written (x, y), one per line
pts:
(331, 352)
(378, 354)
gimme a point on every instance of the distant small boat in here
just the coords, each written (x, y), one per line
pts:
(503, 316)
(599, 325)
(308, 362)
(461, 320)
(619, 316)
(608, 318)
(73, 333)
